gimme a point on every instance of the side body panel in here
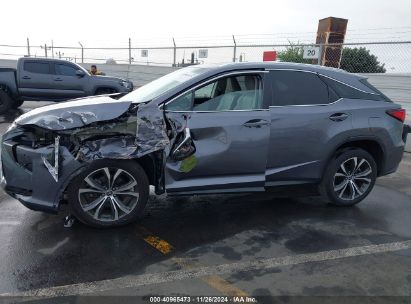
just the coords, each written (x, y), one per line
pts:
(305, 119)
(301, 140)
(229, 156)
(230, 149)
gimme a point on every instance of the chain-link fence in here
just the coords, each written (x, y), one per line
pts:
(368, 57)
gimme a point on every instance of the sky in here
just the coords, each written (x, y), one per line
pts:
(151, 23)
(111, 23)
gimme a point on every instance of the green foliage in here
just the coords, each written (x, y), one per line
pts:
(293, 53)
(353, 60)
(360, 60)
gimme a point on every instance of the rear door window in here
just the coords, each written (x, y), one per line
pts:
(292, 88)
(37, 67)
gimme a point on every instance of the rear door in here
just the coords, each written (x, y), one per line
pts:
(228, 122)
(35, 79)
(66, 84)
(307, 120)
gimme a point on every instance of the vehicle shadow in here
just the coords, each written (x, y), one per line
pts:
(234, 227)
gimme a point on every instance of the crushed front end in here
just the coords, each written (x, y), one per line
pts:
(36, 166)
(42, 151)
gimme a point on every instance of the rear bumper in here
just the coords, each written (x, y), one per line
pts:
(25, 177)
(406, 130)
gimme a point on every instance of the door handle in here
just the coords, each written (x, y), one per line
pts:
(339, 116)
(256, 123)
(26, 77)
(58, 79)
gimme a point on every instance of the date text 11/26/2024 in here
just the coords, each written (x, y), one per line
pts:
(202, 299)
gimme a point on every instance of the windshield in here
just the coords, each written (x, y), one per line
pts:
(163, 84)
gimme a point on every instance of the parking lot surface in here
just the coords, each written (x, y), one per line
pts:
(237, 245)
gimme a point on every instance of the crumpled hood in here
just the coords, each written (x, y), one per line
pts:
(74, 114)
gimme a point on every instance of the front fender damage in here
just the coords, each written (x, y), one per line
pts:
(143, 130)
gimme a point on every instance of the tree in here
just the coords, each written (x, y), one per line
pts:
(360, 60)
(293, 53)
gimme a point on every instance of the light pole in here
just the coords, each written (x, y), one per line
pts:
(82, 52)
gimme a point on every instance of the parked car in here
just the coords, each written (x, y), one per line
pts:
(245, 127)
(52, 79)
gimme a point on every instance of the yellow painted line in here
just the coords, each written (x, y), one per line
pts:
(161, 245)
(214, 281)
(224, 287)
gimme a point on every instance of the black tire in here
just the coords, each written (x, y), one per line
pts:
(95, 172)
(17, 103)
(5, 102)
(334, 180)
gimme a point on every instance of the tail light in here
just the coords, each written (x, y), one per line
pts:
(397, 114)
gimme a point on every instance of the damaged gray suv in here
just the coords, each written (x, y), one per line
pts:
(251, 127)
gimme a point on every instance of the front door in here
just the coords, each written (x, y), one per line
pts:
(228, 123)
(66, 84)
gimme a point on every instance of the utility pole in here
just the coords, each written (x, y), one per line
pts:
(45, 50)
(235, 49)
(52, 48)
(82, 52)
(129, 50)
(175, 52)
(28, 47)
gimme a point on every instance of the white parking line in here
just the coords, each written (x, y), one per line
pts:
(224, 269)
(10, 223)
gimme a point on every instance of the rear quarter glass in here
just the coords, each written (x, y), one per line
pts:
(372, 88)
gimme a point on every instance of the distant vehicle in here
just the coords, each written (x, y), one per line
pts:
(43, 79)
(251, 127)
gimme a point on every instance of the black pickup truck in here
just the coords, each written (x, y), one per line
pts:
(42, 79)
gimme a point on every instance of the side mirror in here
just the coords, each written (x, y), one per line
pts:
(80, 73)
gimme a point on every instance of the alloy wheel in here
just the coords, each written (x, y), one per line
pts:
(108, 194)
(353, 178)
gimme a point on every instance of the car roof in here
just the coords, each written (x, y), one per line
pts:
(212, 70)
(282, 66)
(45, 59)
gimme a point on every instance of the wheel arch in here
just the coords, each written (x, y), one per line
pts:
(6, 89)
(105, 87)
(369, 144)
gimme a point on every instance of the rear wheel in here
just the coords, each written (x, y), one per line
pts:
(349, 177)
(5, 102)
(109, 193)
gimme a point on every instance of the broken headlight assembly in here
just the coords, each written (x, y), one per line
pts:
(33, 137)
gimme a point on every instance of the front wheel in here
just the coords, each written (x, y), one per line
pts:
(109, 193)
(349, 177)
(5, 102)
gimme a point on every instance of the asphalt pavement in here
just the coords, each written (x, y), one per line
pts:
(236, 245)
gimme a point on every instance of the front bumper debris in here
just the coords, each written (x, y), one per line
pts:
(43, 151)
(26, 178)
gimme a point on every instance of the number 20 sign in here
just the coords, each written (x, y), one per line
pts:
(311, 52)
